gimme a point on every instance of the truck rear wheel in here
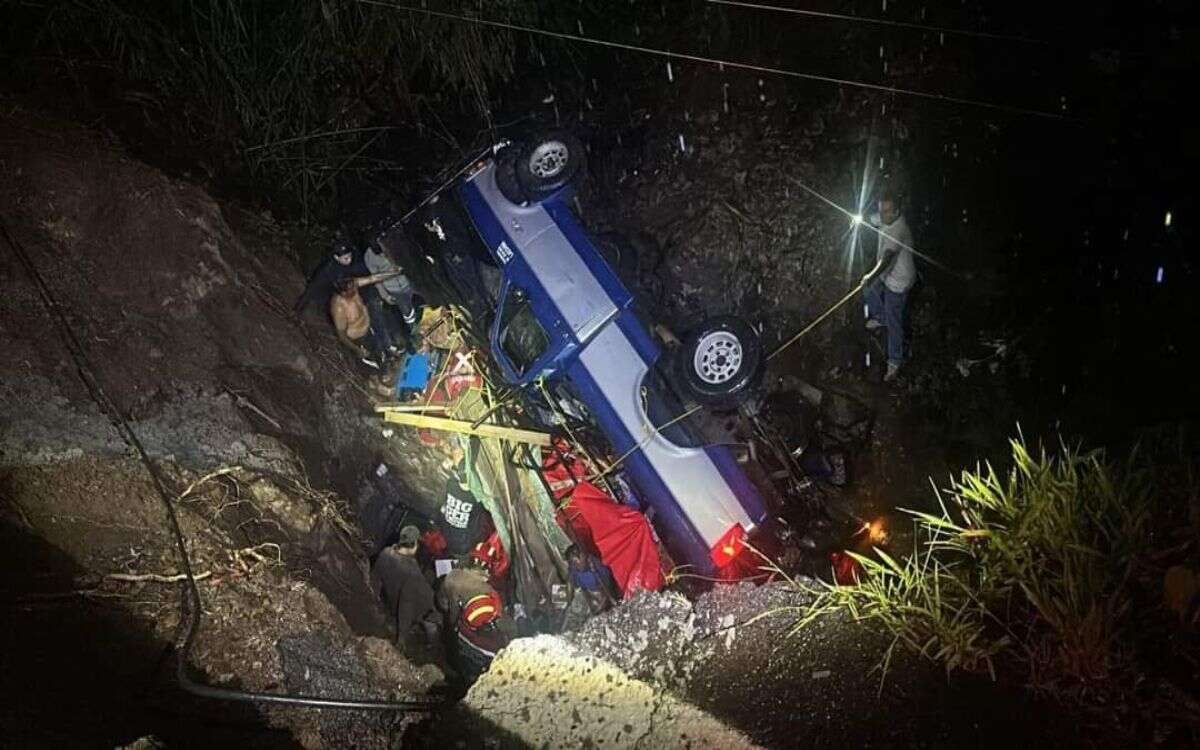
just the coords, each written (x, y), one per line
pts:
(721, 362)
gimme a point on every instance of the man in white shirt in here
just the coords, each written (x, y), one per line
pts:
(887, 291)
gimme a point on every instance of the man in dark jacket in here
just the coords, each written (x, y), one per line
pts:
(406, 593)
(343, 262)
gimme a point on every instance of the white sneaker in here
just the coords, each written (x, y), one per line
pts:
(892, 372)
(873, 324)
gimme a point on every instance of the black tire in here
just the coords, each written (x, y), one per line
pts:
(548, 162)
(506, 175)
(721, 362)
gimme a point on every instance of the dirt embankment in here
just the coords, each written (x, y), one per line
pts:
(181, 305)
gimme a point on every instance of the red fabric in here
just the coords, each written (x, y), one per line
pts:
(460, 373)
(619, 534)
(491, 552)
(450, 381)
(846, 569)
(434, 542)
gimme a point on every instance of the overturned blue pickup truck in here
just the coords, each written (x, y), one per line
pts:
(502, 238)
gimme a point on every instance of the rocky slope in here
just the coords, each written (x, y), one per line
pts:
(180, 303)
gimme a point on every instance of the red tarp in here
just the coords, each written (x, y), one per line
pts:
(620, 534)
(456, 375)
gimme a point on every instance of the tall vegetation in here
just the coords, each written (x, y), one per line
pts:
(1034, 570)
(300, 89)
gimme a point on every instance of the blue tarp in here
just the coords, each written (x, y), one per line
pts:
(415, 375)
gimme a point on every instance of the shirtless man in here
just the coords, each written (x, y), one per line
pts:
(351, 320)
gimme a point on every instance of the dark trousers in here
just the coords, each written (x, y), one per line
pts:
(887, 307)
(384, 332)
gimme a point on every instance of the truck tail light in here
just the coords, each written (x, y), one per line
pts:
(729, 546)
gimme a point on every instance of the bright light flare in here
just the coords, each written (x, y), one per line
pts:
(856, 219)
(874, 531)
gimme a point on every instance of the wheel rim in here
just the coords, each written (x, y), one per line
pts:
(718, 357)
(549, 159)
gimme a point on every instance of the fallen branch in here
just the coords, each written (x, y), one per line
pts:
(246, 403)
(253, 552)
(154, 577)
(213, 475)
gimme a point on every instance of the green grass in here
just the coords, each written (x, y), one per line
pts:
(1027, 569)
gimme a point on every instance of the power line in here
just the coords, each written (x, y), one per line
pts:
(715, 61)
(879, 21)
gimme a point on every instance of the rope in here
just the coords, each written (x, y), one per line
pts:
(649, 436)
(440, 188)
(566, 421)
(826, 314)
(723, 63)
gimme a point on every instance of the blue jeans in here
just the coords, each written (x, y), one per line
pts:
(887, 307)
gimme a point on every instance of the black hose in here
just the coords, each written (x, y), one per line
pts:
(192, 594)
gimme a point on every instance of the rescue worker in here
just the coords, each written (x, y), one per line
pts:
(483, 629)
(406, 593)
(474, 613)
(886, 292)
(491, 553)
(459, 586)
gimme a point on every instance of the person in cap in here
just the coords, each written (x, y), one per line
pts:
(406, 593)
(342, 263)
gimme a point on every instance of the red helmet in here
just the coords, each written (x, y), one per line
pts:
(482, 610)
